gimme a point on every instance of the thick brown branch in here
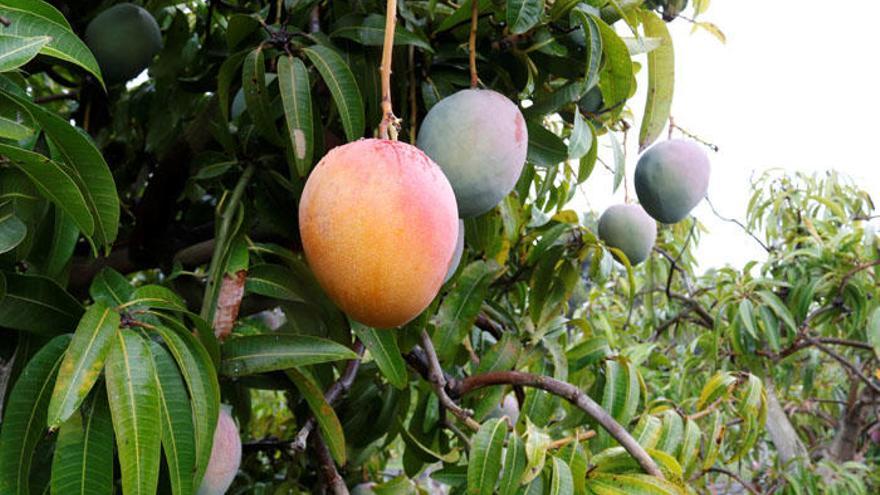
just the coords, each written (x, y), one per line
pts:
(572, 394)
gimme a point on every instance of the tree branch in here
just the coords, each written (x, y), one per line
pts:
(388, 124)
(735, 476)
(572, 394)
(849, 366)
(327, 467)
(438, 379)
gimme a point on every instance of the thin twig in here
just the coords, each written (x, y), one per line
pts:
(580, 437)
(741, 225)
(849, 366)
(72, 95)
(472, 43)
(334, 482)
(340, 387)
(572, 394)
(850, 274)
(388, 124)
(736, 477)
(438, 380)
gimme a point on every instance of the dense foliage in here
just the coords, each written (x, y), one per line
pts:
(152, 270)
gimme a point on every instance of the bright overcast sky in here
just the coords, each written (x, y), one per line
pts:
(793, 88)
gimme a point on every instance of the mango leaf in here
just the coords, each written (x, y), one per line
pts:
(83, 361)
(328, 422)
(10, 129)
(537, 443)
(717, 386)
(873, 331)
(581, 139)
(747, 317)
(296, 96)
(253, 80)
(383, 347)
(561, 481)
(261, 353)
(29, 295)
(631, 484)
(689, 452)
(16, 51)
(343, 87)
(621, 393)
(462, 14)
(225, 77)
(371, 32)
(87, 167)
(619, 161)
(12, 229)
(661, 80)
(274, 281)
(24, 421)
(135, 410)
(83, 459)
(514, 466)
(178, 432)
(545, 148)
(156, 296)
(54, 182)
(523, 14)
(671, 432)
(37, 18)
(616, 79)
(593, 47)
(484, 462)
(461, 306)
(779, 307)
(111, 287)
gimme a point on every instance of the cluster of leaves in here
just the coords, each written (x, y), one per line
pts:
(209, 154)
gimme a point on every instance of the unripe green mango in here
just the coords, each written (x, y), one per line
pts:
(124, 39)
(671, 178)
(630, 229)
(479, 139)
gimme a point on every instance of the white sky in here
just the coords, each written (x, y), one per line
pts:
(793, 88)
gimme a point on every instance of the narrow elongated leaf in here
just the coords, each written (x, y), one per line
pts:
(253, 80)
(296, 96)
(561, 481)
(16, 51)
(111, 287)
(619, 161)
(371, 32)
(200, 376)
(873, 331)
(523, 14)
(593, 47)
(661, 80)
(178, 433)
(689, 452)
(545, 148)
(331, 428)
(514, 466)
(229, 69)
(717, 386)
(616, 78)
(462, 14)
(631, 484)
(779, 307)
(37, 18)
(83, 460)
(484, 462)
(83, 361)
(581, 138)
(12, 229)
(671, 432)
(260, 353)
(53, 181)
(620, 395)
(275, 281)
(343, 87)
(92, 174)
(158, 297)
(134, 408)
(24, 421)
(461, 306)
(10, 129)
(382, 345)
(30, 295)
(747, 317)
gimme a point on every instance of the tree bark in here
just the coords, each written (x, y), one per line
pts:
(845, 443)
(782, 433)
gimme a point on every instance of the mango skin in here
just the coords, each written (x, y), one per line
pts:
(479, 139)
(456, 255)
(124, 39)
(671, 178)
(225, 456)
(378, 222)
(630, 229)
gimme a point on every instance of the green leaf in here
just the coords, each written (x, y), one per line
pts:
(29, 295)
(87, 167)
(24, 421)
(461, 306)
(12, 229)
(253, 80)
(523, 14)
(343, 87)
(134, 408)
(156, 296)
(261, 353)
(484, 462)
(621, 393)
(671, 432)
(747, 317)
(37, 18)
(462, 14)
(83, 459)
(631, 484)
(561, 482)
(331, 428)
(178, 433)
(537, 443)
(55, 183)
(593, 47)
(616, 79)
(717, 386)
(619, 161)
(371, 32)
(779, 307)
(873, 331)
(581, 139)
(689, 452)
(16, 51)
(200, 376)
(514, 466)
(545, 148)
(111, 287)
(382, 345)
(83, 361)
(296, 96)
(10, 129)
(661, 80)
(275, 281)
(225, 77)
